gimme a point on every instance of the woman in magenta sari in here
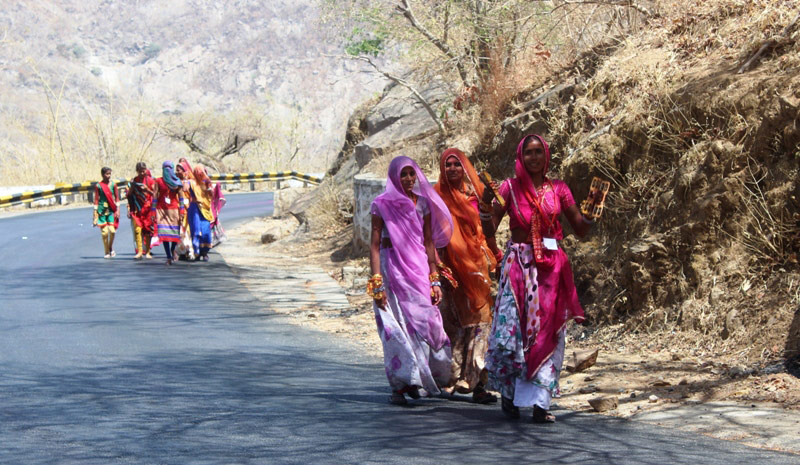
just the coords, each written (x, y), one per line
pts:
(536, 295)
(409, 220)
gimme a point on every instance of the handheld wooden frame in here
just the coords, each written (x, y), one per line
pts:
(593, 206)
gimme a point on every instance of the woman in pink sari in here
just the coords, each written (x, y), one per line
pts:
(409, 220)
(536, 295)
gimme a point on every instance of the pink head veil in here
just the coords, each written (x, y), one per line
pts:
(523, 180)
(406, 262)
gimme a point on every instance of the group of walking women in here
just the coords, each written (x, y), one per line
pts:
(433, 254)
(180, 210)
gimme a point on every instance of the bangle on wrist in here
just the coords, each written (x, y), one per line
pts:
(587, 220)
(375, 287)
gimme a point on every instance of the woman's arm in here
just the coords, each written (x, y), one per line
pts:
(115, 190)
(492, 216)
(375, 254)
(580, 224)
(154, 198)
(430, 250)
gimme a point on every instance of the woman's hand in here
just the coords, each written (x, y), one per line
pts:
(437, 295)
(488, 193)
(381, 303)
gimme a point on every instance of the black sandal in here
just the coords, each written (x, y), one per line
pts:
(541, 415)
(509, 409)
(397, 398)
(481, 396)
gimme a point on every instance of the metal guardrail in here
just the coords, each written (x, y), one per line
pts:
(88, 186)
(266, 176)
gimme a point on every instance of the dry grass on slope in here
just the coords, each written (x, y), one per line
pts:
(702, 232)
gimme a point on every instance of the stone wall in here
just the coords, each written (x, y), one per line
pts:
(366, 187)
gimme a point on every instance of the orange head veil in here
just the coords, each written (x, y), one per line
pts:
(200, 174)
(468, 243)
(187, 169)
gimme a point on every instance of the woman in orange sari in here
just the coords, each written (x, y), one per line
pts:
(467, 309)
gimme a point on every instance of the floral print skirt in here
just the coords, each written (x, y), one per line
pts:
(408, 359)
(505, 360)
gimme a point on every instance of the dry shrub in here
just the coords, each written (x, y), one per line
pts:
(508, 76)
(71, 145)
(701, 233)
(332, 207)
(768, 231)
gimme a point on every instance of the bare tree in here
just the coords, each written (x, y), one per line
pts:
(212, 140)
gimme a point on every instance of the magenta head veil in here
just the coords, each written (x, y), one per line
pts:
(406, 264)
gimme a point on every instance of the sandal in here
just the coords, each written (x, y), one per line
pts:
(509, 409)
(412, 391)
(481, 396)
(541, 415)
(397, 398)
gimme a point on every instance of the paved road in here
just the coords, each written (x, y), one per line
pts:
(116, 361)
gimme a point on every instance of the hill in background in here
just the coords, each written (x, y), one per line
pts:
(80, 70)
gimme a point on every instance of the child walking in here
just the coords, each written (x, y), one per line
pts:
(106, 211)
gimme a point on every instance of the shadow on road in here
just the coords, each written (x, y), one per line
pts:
(286, 407)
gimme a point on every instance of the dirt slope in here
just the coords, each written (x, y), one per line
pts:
(701, 234)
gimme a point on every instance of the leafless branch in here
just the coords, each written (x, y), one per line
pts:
(234, 145)
(768, 45)
(408, 86)
(621, 3)
(405, 9)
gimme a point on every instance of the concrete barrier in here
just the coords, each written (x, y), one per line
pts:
(366, 187)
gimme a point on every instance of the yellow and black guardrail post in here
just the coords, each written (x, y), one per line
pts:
(87, 187)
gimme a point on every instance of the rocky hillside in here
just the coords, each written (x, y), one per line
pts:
(174, 58)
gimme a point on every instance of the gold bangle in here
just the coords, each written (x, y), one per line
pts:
(375, 287)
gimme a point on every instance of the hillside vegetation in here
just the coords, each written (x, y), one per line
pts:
(693, 113)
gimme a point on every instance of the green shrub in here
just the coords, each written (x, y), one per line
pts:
(78, 51)
(152, 51)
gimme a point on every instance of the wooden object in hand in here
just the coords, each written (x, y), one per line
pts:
(486, 178)
(593, 206)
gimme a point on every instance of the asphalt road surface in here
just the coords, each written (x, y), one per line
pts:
(117, 361)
